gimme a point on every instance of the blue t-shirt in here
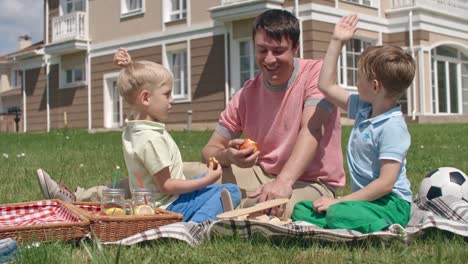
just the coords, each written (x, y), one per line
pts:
(382, 137)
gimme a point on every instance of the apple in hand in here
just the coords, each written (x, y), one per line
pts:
(249, 143)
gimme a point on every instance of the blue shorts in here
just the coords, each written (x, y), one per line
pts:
(204, 204)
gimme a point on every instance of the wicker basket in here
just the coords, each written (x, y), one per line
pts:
(66, 223)
(112, 228)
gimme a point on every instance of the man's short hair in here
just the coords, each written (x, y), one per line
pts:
(390, 65)
(277, 24)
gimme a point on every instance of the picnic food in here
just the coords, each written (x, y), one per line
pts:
(115, 211)
(214, 161)
(249, 143)
(143, 209)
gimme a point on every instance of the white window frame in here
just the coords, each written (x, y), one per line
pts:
(108, 120)
(74, 83)
(435, 84)
(15, 82)
(372, 3)
(126, 12)
(169, 11)
(343, 62)
(185, 80)
(64, 5)
(253, 68)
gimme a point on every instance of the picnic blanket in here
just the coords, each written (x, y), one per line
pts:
(445, 213)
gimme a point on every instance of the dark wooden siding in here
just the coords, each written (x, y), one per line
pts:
(207, 84)
(208, 81)
(53, 12)
(72, 101)
(36, 116)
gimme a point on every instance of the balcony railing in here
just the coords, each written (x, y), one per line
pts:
(69, 27)
(456, 7)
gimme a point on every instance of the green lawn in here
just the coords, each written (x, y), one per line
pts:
(81, 159)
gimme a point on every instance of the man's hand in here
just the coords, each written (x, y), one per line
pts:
(245, 158)
(322, 203)
(273, 190)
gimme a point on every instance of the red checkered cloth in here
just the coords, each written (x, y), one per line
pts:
(89, 208)
(38, 213)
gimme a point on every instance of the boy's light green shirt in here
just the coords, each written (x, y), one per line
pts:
(148, 148)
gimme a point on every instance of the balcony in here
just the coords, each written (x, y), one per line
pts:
(458, 8)
(69, 33)
(232, 10)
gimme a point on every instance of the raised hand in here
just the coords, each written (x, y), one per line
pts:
(345, 28)
(122, 57)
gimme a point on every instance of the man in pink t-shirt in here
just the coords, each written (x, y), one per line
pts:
(282, 109)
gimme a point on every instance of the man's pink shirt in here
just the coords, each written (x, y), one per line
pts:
(273, 120)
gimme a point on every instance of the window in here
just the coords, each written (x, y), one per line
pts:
(131, 7)
(248, 67)
(349, 59)
(175, 10)
(16, 79)
(449, 81)
(361, 2)
(75, 76)
(177, 60)
(71, 6)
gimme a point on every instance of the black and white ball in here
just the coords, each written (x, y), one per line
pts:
(444, 181)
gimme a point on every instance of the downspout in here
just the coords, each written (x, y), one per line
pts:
(46, 59)
(226, 69)
(422, 99)
(412, 55)
(301, 41)
(25, 126)
(88, 67)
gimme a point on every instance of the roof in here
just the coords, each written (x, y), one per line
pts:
(33, 47)
(11, 92)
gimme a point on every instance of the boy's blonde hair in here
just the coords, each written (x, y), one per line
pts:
(390, 65)
(136, 74)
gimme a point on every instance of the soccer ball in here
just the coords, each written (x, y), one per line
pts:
(444, 181)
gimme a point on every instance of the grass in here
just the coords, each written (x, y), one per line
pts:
(81, 159)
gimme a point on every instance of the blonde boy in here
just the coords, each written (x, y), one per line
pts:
(378, 143)
(151, 153)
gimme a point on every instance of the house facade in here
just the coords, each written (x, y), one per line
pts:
(207, 45)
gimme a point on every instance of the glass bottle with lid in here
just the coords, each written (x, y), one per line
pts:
(113, 202)
(143, 202)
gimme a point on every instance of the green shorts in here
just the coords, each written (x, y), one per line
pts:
(362, 216)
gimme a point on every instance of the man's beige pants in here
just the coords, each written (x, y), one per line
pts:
(248, 180)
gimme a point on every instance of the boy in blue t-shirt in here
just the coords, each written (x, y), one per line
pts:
(378, 143)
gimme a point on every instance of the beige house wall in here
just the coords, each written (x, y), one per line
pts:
(357, 8)
(199, 10)
(434, 38)
(36, 99)
(242, 29)
(104, 16)
(72, 60)
(68, 106)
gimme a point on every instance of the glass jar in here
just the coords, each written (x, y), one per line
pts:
(143, 202)
(113, 202)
